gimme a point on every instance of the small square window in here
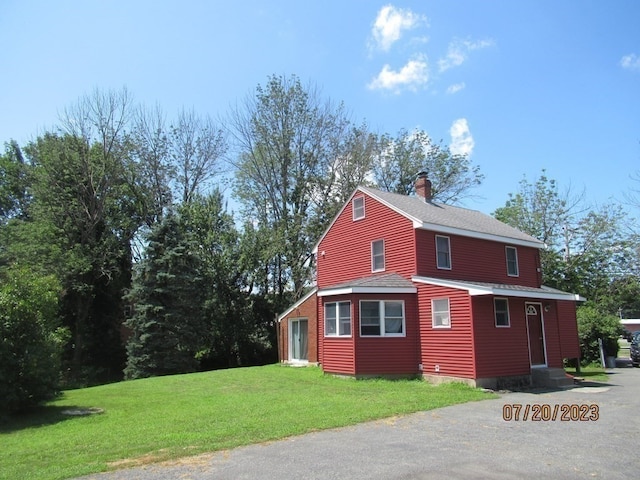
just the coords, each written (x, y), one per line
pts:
(512, 262)
(501, 308)
(358, 208)
(443, 252)
(441, 315)
(377, 256)
(337, 319)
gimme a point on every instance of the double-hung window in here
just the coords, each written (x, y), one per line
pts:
(358, 208)
(381, 318)
(501, 308)
(440, 313)
(377, 256)
(337, 319)
(512, 261)
(443, 252)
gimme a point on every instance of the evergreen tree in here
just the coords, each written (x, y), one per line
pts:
(167, 326)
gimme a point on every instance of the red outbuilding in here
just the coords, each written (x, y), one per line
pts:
(407, 287)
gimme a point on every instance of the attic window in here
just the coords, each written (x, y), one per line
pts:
(358, 208)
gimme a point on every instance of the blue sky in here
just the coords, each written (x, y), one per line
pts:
(520, 86)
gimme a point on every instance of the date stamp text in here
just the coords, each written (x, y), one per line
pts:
(544, 412)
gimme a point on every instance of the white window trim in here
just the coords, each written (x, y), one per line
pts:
(337, 320)
(433, 313)
(449, 252)
(495, 313)
(381, 314)
(384, 263)
(506, 252)
(354, 210)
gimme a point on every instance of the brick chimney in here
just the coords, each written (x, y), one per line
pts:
(423, 186)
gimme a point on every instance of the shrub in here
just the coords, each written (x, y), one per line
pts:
(592, 325)
(30, 339)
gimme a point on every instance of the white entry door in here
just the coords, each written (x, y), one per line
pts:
(299, 339)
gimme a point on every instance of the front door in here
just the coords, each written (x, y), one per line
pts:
(299, 345)
(536, 334)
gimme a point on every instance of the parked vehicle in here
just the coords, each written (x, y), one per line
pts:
(634, 349)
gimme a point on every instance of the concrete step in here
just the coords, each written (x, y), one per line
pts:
(550, 377)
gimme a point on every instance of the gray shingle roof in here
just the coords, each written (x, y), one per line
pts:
(433, 215)
(385, 280)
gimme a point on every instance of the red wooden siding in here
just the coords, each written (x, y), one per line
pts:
(345, 251)
(337, 354)
(478, 260)
(388, 355)
(309, 310)
(500, 351)
(452, 348)
(568, 328)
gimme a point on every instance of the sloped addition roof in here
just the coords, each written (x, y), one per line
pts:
(507, 290)
(384, 283)
(450, 219)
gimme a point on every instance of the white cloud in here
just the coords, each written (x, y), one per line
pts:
(461, 139)
(390, 23)
(458, 52)
(630, 62)
(455, 88)
(413, 75)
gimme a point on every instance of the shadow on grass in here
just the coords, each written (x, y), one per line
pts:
(42, 416)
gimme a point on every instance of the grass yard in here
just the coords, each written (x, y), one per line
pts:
(593, 372)
(164, 418)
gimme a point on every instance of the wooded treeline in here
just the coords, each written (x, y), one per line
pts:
(119, 254)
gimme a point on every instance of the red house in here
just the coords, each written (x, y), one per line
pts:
(407, 287)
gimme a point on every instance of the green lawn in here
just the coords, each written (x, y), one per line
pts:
(168, 417)
(593, 372)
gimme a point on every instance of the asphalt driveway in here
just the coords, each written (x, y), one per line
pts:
(470, 441)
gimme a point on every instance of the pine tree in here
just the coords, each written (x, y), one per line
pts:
(167, 326)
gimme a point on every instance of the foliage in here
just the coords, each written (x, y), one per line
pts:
(167, 326)
(79, 197)
(30, 339)
(622, 297)
(288, 139)
(593, 324)
(209, 411)
(237, 333)
(586, 247)
(401, 158)
(14, 182)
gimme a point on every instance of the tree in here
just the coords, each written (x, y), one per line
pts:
(540, 210)
(168, 330)
(350, 168)
(594, 324)
(401, 158)
(31, 339)
(197, 145)
(288, 138)
(80, 193)
(151, 172)
(586, 247)
(236, 335)
(14, 182)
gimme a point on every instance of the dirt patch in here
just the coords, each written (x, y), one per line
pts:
(81, 412)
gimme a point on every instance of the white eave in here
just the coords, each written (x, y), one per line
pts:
(329, 292)
(475, 289)
(417, 224)
(298, 303)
